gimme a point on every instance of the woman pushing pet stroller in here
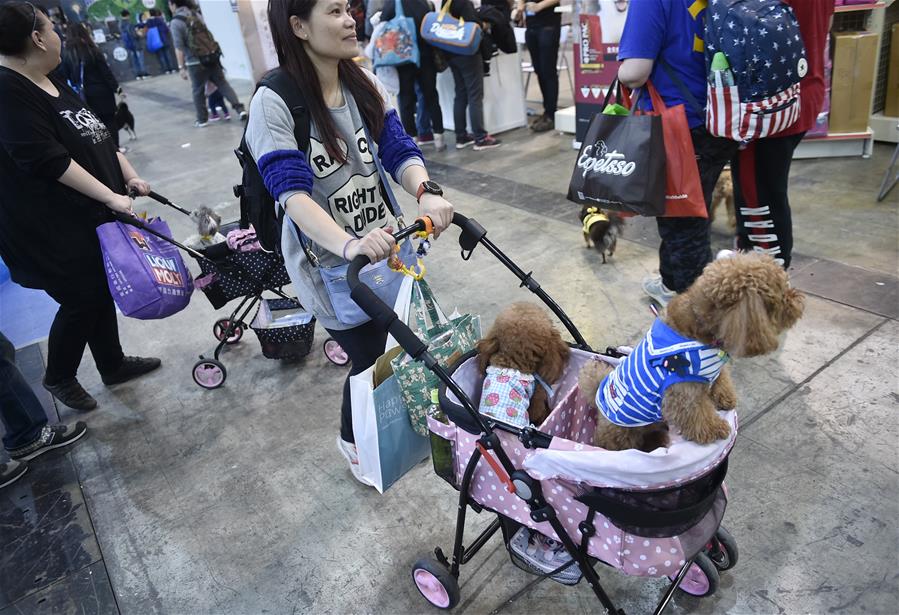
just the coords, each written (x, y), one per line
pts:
(326, 168)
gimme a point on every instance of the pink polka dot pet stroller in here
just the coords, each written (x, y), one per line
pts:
(654, 514)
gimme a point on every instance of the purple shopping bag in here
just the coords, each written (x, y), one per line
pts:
(146, 275)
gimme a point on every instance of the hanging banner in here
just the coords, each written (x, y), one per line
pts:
(598, 32)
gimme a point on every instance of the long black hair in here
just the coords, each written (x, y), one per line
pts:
(292, 56)
(17, 21)
(80, 45)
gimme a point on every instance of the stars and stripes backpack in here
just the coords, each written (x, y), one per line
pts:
(755, 59)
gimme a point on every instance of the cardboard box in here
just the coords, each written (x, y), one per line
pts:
(891, 108)
(854, 57)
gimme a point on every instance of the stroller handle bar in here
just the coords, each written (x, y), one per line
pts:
(385, 318)
(161, 199)
(135, 221)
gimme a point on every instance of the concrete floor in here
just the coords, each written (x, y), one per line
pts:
(236, 501)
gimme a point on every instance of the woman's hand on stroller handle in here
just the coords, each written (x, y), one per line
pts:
(119, 203)
(438, 210)
(139, 187)
(375, 245)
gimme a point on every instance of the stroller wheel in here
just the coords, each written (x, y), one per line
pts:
(702, 578)
(220, 329)
(723, 550)
(435, 583)
(209, 373)
(335, 353)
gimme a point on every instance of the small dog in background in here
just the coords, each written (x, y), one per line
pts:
(208, 223)
(679, 374)
(124, 119)
(523, 355)
(602, 228)
(724, 193)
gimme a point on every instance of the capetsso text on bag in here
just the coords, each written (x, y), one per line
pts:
(597, 158)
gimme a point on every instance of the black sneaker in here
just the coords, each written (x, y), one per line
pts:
(241, 112)
(487, 142)
(71, 393)
(463, 141)
(52, 436)
(543, 123)
(11, 471)
(131, 367)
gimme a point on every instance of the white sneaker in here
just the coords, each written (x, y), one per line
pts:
(348, 450)
(655, 288)
(439, 142)
(724, 254)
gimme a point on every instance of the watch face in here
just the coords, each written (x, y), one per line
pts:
(432, 187)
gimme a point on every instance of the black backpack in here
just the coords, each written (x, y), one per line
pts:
(257, 206)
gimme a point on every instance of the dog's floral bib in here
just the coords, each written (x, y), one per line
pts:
(506, 395)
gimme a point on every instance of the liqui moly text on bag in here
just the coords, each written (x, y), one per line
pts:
(447, 32)
(597, 158)
(165, 270)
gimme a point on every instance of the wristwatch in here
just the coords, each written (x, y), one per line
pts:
(430, 188)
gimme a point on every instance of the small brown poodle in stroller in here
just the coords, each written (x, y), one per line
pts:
(522, 346)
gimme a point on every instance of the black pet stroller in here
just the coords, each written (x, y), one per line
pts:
(284, 329)
(646, 514)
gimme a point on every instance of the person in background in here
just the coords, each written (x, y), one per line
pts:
(216, 103)
(190, 66)
(542, 34)
(85, 68)
(163, 53)
(468, 75)
(133, 40)
(666, 31)
(423, 76)
(423, 122)
(761, 171)
(372, 7)
(60, 178)
(28, 432)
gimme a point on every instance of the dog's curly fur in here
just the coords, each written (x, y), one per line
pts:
(741, 303)
(724, 193)
(523, 337)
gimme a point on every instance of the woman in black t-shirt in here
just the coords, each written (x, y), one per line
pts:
(85, 66)
(60, 175)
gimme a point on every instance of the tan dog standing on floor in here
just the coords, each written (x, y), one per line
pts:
(524, 340)
(724, 193)
(678, 374)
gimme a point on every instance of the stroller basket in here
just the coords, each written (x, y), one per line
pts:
(227, 275)
(285, 330)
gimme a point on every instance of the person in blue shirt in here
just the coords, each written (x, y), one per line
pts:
(134, 43)
(663, 39)
(166, 65)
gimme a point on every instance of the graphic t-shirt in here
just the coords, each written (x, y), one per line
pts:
(351, 192)
(669, 30)
(47, 230)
